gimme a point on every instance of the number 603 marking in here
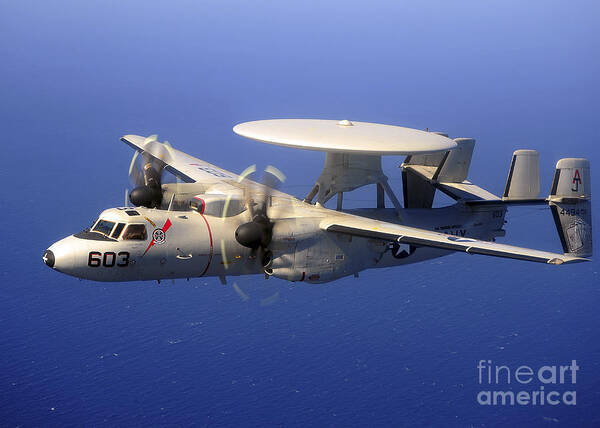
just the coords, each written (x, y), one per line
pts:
(108, 259)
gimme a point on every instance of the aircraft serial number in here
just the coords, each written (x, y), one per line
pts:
(573, 211)
(108, 259)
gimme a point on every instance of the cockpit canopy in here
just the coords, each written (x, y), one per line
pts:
(122, 230)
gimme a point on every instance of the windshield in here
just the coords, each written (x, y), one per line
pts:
(117, 230)
(104, 226)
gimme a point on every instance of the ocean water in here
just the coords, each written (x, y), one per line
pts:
(394, 347)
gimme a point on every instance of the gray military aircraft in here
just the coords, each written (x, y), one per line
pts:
(212, 222)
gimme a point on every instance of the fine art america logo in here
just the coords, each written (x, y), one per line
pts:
(525, 385)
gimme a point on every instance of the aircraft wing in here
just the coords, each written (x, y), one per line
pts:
(365, 227)
(186, 167)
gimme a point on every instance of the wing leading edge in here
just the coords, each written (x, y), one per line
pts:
(194, 170)
(184, 166)
(365, 227)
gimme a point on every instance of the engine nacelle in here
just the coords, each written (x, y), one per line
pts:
(314, 276)
(304, 252)
(284, 266)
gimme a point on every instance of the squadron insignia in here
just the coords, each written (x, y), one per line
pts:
(159, 236)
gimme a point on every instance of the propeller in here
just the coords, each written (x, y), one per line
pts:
(146, 172)
(258, 232)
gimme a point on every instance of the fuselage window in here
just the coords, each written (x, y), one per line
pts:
(135, 231)
(104, 226)
(117, 230)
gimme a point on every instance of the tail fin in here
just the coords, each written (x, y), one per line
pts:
(456, 166)
(421, 173)
(570, 202)
(523, 177)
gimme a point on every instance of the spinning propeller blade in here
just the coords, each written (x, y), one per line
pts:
(257, 233)
(146, 172)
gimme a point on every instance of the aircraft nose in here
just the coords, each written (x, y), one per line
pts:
(48, 258)
(60, 255)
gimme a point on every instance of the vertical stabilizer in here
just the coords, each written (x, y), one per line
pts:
(456, 166)
(422, 173)
(570, 202)
(523, 180)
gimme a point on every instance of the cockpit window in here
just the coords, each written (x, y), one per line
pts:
(104, 226)
(117, 230)
(135, 231)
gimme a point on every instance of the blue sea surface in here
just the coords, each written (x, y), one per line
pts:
(394, 347)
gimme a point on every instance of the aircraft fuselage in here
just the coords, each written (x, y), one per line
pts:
(189, 244)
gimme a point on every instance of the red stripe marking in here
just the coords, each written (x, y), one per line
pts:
(210, 255)
(203, 207)
(151, 244)
(164, 229)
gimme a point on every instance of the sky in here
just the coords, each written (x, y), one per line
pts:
(392, 348)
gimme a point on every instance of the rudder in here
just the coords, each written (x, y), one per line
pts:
(570, 202)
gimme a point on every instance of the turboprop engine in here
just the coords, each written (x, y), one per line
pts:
(301, 251)
(290, 241)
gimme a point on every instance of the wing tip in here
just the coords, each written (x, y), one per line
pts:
(559, 261)
(131, 137)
